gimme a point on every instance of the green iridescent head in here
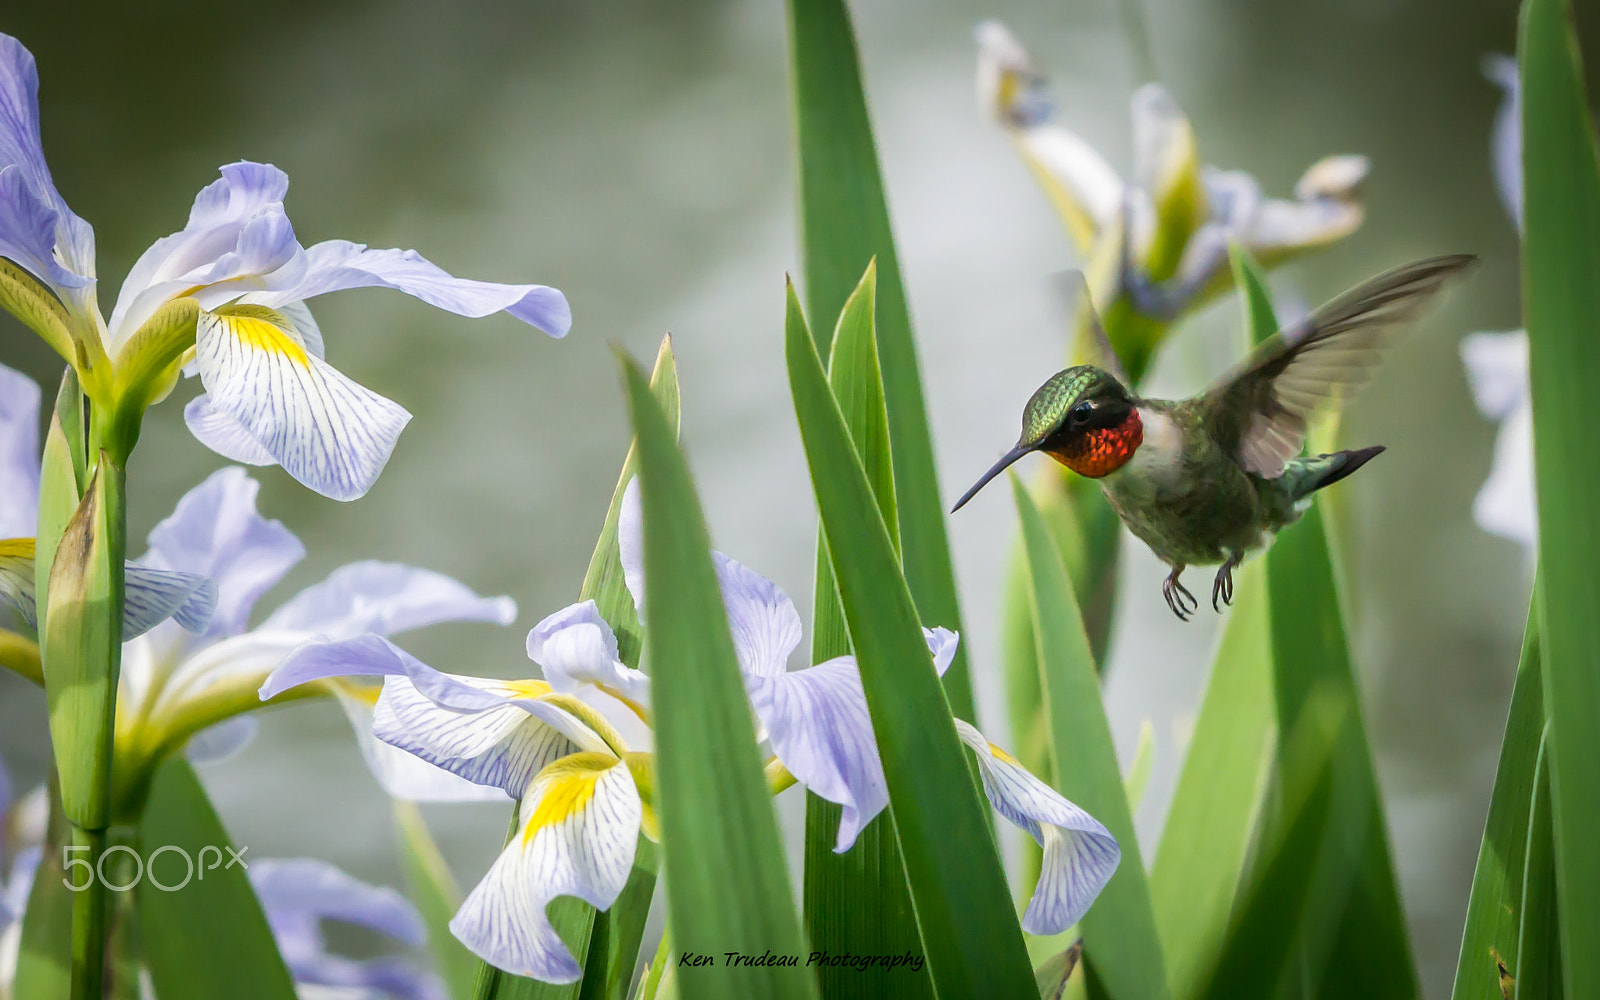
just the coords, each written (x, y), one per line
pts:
(1074, 402)
(1051, 406)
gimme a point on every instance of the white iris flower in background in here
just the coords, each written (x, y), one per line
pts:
(1497, 363)
(224, 298)
(299, 894)
(1173, 204)
(585, 796)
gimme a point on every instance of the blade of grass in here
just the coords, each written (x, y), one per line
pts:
(969, 930)
(1561, 305)
(1539, 975)
(730, 892)
(1302, 869)
(1120, 943)
(1494, 911)
(210, 938)
(857, 902)
(1368, 951)
(844, 224)
(1203, 848)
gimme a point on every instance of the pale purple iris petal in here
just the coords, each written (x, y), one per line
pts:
(820, 729)
(576, 646)
(14, 891)
(216, 532)
(385, 598)
(1080, 854)
(298, 894)
(236, 228)
(1497, 370)
(336, 265)
(762, 619)
(407, 776)
(35, 223)
(223, 434)
(375, 656)
(19, 454)
(630, 543)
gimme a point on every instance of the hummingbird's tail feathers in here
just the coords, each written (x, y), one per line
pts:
(1305, 476)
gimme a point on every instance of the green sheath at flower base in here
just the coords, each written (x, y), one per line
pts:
(61, 480)
(83, 645)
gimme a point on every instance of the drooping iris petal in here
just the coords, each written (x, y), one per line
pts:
(328, 432)
(386, 598)
(150, 596)
(14, 893)
(579, 829)
(375, 656)
(762, 619)
(19, 454)
(819, 727)
(404, 775)
(1080, 855)
(237, 234)
(576, 646)
(298, 894)
(820, 730)
(37, 229)
(216, 532)
(223, 434)
(336, 265)
(502, 747)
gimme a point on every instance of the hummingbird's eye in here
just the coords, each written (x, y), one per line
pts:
(1079, 415)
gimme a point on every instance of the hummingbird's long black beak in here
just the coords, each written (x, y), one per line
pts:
(994, 470)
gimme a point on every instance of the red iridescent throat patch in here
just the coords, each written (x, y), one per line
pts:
(1104, 450)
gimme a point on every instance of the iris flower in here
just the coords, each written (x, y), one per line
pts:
(298, 894)
(585, 797)
(190, 686)
(1181, 215)
(1497, 363)
(224, 298)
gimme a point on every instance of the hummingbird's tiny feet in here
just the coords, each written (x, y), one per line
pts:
(1182, 603)
(1222, 586)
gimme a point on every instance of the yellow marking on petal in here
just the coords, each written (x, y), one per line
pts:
(367, 694)
(565, 789)
(267, 337)
(1002, 755)
(523, 689)
(16, 548)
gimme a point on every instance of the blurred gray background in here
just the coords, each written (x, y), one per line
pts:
(638, 156)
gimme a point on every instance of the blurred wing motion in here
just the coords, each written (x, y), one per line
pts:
(1259, 410)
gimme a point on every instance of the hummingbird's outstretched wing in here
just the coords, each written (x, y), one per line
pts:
(1259, 410)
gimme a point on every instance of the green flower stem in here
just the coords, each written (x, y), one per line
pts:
(88, 920)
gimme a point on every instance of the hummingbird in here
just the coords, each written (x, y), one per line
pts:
(1213, 477)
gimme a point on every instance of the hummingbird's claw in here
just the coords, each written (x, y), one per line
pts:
(1222, 586)
(1182, 603)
